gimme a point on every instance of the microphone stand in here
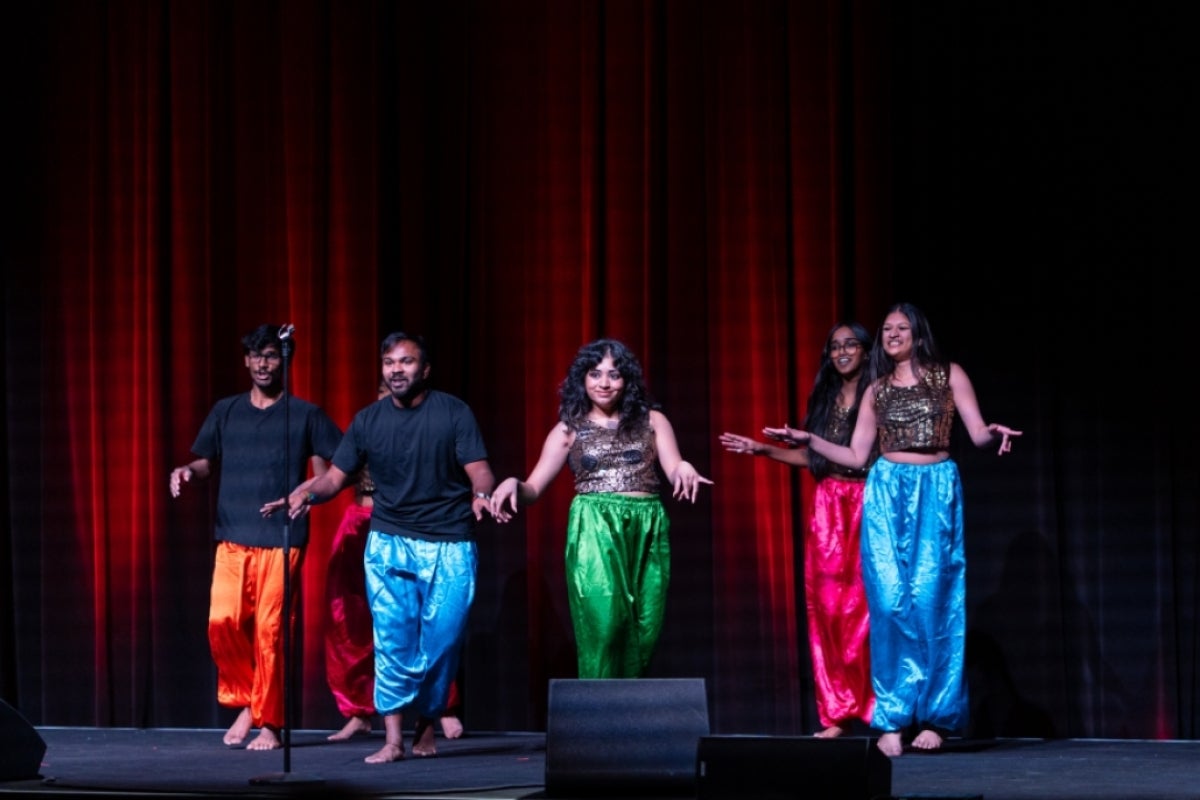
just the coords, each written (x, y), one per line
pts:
(285, 336)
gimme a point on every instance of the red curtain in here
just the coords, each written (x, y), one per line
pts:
(711, 182)
(510, 179)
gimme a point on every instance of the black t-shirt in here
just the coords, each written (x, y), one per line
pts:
(249, 445)
(416, 457)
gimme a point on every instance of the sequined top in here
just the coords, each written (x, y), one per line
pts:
(916, 417)
(837, 429)
(606, 460)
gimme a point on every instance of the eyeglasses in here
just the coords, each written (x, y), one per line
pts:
(850, 347)
(255, 356)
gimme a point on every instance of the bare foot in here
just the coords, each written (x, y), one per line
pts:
(889, 744)
(391, 751)
(424, 744)
(452, 727)
(832, 732)
(927, 740)
(240, 728)
(267, 739)
(353, 727)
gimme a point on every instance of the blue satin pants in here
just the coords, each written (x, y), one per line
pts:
(914, 572)
(420, 594)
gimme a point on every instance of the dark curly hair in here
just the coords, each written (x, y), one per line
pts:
(635, 401)
(826, 388)
(263, 337)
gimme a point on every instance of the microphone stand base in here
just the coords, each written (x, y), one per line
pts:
(289, 778)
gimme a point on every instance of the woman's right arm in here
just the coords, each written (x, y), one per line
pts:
(736, 443)
(511, 493)
(856, 454)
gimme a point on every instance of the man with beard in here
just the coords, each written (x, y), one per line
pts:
(432, 480)
(259, 446)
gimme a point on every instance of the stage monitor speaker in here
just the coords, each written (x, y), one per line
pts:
(791, 768)
(622, 737)
(21, 748)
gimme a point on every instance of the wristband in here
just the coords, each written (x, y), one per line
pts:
(483, 495)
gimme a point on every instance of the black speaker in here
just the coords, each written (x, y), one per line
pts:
(791, 768)
(21, 748)
(624, 736)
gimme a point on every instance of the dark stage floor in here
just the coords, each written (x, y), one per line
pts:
(174, 763)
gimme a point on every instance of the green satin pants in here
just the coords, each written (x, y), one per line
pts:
(618, 567)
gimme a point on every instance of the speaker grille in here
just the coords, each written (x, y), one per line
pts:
(636, 735)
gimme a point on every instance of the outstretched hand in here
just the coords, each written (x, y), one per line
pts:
(736, 443)
(686, 482)
(481, 504)
(270, 508)
(298, 503)
(503, 505)
(788, 435)
(179, 476)
(1006, 436)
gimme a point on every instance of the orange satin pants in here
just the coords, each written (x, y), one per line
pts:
(245, 631)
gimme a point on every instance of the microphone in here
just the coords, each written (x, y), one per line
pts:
(286, 331)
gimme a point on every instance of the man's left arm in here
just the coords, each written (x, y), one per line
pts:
(482, 483)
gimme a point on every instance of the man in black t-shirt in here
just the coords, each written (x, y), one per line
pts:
(432, 481)
(258, 443)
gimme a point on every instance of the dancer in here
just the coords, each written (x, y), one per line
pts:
(836, 605)
(914, 565)
(349, 648)
(245, 438)
(618, 563)
(427, 459)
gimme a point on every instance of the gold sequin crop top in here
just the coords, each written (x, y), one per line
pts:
(916, 417)
(605, 460)
(837, 429)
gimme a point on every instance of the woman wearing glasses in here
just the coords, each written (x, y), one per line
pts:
(833, 587)
(914, 565)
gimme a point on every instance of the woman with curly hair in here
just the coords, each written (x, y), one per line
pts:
(833, 587)
(618, 555)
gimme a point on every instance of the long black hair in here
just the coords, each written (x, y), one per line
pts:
(925, 353)
(827, 387)
(635, 402)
